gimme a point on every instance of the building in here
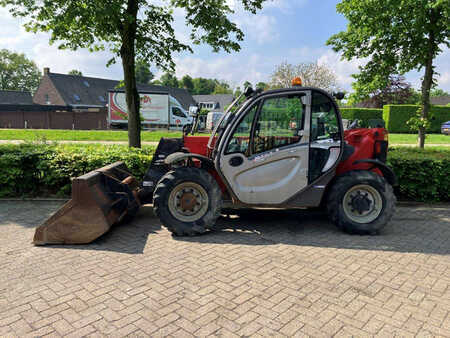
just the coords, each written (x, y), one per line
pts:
(82, 92)
(14, 97)
(214, 103)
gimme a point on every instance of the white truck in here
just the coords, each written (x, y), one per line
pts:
(211, 119)
(157, 110)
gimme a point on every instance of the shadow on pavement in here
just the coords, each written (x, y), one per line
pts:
(128, 238)
(423, 229)
(420, 230)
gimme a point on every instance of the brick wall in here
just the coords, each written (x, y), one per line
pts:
(45, 88)
(37, 117)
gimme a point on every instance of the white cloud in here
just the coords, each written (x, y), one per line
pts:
(62, 61)
(231, 68)
(260, 28)
(342, 68)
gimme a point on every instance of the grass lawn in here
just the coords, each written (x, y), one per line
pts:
(155, 136)
(412, 139)
(80, 135)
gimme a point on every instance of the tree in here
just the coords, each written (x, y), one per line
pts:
(169, 80)
(17, 72)
(222, 88)
(312, 75)
(397, 91)
(75, 72)
(187, 83)
(396, 37)
(438, 92)
(143, 73)
(262, 85)
(204, 86)
(133, 29)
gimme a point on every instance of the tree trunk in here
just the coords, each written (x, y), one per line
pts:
(128, 53)
(427, 80)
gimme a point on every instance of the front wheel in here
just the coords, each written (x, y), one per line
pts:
(187, 201)
(361, 202)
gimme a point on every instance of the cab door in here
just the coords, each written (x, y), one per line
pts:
(265, 157)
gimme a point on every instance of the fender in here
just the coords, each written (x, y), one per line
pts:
(388, 174)
(207, 163)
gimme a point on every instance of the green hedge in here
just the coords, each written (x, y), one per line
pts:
(396, 117)
(423, 174)
(45, 170)
(363, 114)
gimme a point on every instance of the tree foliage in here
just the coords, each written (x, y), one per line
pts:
(17, 72)
(143, 73)
(262, 85)
(398, 91)
(187, 83)
(222, 87)
(169, 80)
(75, 72)
(133, 29)
(396, 36)
(436, 92)
(312, 75)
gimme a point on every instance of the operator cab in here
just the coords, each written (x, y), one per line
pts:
(277, 144)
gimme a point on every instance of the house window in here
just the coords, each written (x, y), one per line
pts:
(76, 97)
(101, 98)
(47, 99)
(207, 105)
(86, 84)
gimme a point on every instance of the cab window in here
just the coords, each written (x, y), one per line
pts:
(280, 123)
(177, 112)
(240, 141)
(324, 122)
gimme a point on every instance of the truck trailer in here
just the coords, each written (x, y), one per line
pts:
(158, 110)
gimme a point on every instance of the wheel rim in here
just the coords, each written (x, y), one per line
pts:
(362, 204)
(188, 202)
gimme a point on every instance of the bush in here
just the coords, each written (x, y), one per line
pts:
(423, 174)
(396, 117)
(363, 114)
(46, 170)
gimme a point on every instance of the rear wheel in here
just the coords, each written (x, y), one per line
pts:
(361, 202)
(187, 201)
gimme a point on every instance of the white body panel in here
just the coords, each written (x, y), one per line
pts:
(211, 119)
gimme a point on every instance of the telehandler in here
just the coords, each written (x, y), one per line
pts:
(283, 148)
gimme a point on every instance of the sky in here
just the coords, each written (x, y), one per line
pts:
(285, 30)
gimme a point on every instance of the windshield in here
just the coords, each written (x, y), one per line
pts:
(223, 122)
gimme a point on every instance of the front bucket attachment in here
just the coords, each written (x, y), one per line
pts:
(100, 198)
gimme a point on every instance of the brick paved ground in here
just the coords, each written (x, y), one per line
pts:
(277, 274)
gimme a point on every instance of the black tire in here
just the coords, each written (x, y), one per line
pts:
(344, 184)
(171, 181)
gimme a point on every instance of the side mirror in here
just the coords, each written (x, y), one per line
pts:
(193, 111)
(339, 95)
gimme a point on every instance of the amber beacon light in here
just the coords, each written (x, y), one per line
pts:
(296, 81)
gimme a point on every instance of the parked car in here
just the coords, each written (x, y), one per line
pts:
(445, 128)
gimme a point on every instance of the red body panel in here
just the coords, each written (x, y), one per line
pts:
(363, 140)
(197, 144)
